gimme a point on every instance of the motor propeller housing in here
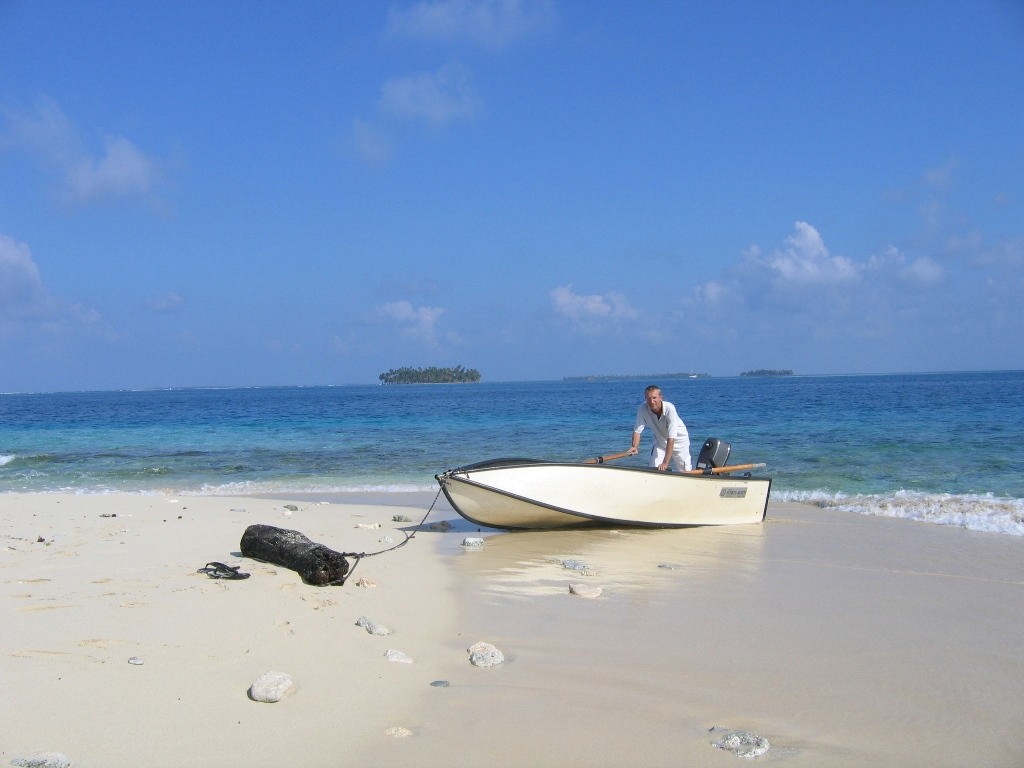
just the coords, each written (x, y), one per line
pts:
(714, 453)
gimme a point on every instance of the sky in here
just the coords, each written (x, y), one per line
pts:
(268, 193)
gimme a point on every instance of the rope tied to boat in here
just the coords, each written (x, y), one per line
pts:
(357, 556)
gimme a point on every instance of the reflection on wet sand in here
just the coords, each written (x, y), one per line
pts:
(530, 563)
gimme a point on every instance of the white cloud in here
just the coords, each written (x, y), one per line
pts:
(711, 293)
(416, 322)
(941, 177)
(923, 270)
(803, 260)
(167, 302)
(120, 170)
(590, 313)
(370, 144)
(85, 315)
(27, 307)
(44, 131)
(801, 292)
(1008, 253)
(487, 23)
(436, 98)
(442, 97)
(806, 260)
(969, 244)
(21, 288)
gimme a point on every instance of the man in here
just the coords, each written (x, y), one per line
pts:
(671, 440)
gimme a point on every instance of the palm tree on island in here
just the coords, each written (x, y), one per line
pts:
(430, 375)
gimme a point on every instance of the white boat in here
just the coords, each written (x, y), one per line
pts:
(530, 494)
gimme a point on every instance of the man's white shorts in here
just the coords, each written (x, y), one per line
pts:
(680, 456)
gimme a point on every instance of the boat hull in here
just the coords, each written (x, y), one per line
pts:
(525, 494)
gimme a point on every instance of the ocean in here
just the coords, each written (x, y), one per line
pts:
(946, 448)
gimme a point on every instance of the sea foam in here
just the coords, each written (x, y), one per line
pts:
(976, 512)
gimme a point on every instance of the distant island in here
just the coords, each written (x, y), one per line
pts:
(639, 377)
(431, 375)
(768, 372)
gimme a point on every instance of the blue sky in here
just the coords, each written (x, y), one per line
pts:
(256, 193)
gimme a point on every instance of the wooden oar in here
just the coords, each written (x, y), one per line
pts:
(724, 470)
(609, 457)
(712, 471)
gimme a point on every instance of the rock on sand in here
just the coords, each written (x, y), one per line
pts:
(270, 687)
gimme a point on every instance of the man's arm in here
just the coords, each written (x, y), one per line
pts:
(634, 449)
(670, 445)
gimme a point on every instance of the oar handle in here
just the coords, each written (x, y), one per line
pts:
(725, 470)
(609, 457)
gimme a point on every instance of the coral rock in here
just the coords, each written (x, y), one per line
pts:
(485, 655)
(270, 687)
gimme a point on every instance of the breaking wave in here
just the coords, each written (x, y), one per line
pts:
(975, 512)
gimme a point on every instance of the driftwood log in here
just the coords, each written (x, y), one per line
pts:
(316, 564)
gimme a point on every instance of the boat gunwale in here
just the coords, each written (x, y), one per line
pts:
(511, 463)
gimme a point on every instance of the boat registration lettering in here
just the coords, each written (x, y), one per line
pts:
(733, 493)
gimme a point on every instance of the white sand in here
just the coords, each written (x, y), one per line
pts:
(844, 640)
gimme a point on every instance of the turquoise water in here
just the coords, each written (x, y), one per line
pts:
(941, 447)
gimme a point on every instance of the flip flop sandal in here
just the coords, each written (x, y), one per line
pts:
(222, 571)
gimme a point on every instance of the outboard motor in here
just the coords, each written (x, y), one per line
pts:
(714, 453)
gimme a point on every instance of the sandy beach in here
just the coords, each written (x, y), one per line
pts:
(842, 640)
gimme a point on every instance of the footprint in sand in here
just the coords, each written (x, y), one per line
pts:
(29, 653)
(38, 608)
(319, 602)
(285, 624)
(94, 643)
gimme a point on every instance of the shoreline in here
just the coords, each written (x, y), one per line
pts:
(976, 512)
(842, 639)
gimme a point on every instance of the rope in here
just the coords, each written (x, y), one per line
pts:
(357, 556)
